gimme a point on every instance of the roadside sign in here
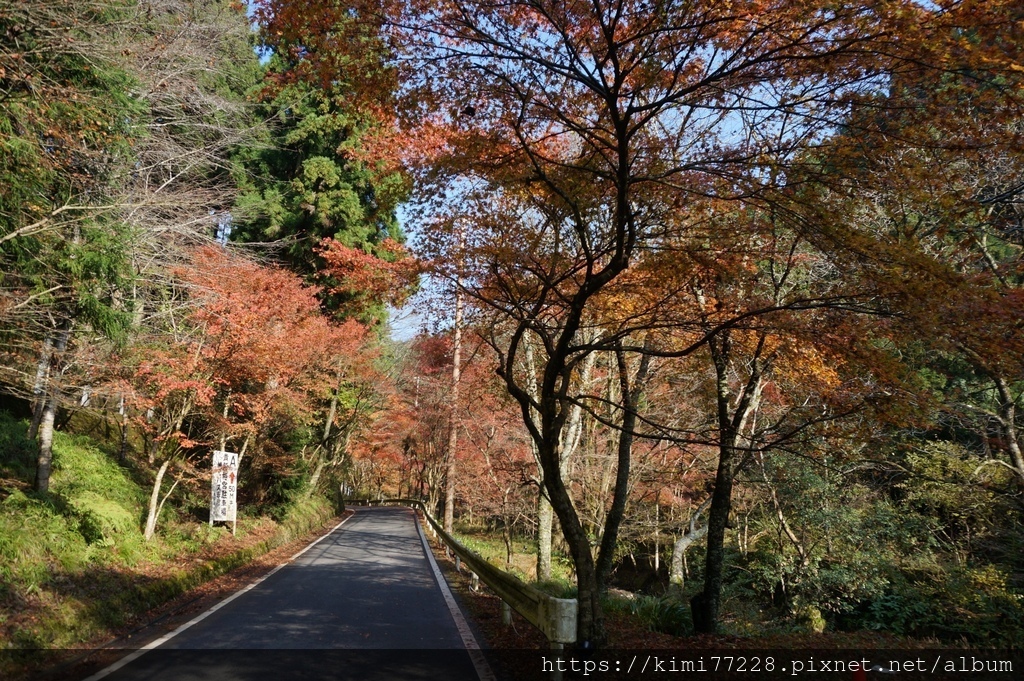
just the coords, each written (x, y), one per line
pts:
(224, 487)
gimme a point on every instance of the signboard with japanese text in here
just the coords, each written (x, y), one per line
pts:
(224, 486)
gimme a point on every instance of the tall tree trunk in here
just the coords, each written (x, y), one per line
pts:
(591, 574)
(572, 435)
(545, 521)
(44, 463)
(314, 479)
(453, 415)
(657, 534)
(630, 389)
(692, 534)
(590, 618)
(39, 392)
(545, 514)
(1008, 421)
(154, 501)
(122, 410)
(706, 605)
(433, 487)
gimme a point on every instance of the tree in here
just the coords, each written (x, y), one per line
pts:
(253, 356)
(580, 142)
(585, 135)
(65, 133)
(916, 207)
(124, 116)
(366, 281)
(425, 389)
(944, 221)
(319, 174)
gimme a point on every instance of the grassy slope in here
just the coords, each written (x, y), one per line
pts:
(73, 564)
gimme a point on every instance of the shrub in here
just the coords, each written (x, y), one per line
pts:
(662, 614)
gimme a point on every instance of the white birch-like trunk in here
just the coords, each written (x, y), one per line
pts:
(572, 436)
(39, 392)
(693, 533)
(453, 423)
(154, 501)
(44, 463)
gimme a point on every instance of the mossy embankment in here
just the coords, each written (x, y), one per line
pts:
(74, 567)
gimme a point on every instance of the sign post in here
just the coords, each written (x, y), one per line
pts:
(224, 488)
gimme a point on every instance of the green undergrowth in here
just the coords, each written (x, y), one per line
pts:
(524, 557)
(663, 614)
(975, 603)
(73, 563)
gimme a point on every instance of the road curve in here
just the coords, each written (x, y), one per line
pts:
(362, 604)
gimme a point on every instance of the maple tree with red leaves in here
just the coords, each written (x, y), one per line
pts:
(254, 357)
(589, 127)
(585, 138)
(366, 279)
(746, 271)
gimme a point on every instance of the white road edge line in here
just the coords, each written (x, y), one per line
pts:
(131, 657)
(483, 669)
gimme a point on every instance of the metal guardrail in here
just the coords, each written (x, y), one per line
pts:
(555, 617)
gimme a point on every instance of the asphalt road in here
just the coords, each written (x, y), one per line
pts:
(362, 604)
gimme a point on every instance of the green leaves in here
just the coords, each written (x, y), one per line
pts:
(312, 180)
(66, 132)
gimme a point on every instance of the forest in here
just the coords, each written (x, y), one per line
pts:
(723, 301)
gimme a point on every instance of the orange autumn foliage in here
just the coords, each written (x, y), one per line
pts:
(256, 341)
(366, 279)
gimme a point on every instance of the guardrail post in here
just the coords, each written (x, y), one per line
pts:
(556, 670)
(558, 616)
